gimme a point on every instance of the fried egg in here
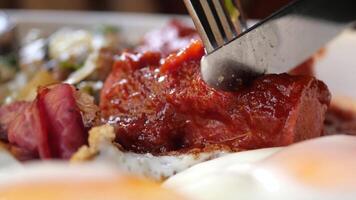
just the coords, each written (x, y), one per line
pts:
(59, 181)
(323, 168)
(102, 149)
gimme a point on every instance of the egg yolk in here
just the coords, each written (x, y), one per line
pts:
(127, 188)
(326, 163)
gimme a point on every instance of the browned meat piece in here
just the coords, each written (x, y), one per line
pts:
(161, 108)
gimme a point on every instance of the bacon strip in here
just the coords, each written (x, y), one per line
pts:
(65, 124)
(49, 127)
(28, 131)
(7, 114)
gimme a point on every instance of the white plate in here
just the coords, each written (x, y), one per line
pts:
(132, 25)
(337, 68)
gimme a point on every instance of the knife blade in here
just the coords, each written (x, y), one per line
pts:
(278, 43)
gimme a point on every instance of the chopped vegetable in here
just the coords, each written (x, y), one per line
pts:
(106, 36)
(92, 88)
(69, 44)
(29, 92)
(6, 72)
(82, 73)
(70, 65)
(232, 10)
(106, 29)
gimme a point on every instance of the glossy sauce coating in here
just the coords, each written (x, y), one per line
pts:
(160, 106)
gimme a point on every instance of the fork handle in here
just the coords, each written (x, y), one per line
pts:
(217, 21)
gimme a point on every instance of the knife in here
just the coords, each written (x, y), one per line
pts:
(275, 45)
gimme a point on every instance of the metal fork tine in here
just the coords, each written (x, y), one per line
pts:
(238, 21)
(225, 21)
(195, 10)
(213, 24)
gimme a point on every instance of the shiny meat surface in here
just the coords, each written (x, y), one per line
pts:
(160, 106)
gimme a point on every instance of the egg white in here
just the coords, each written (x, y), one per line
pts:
(226, 178)
(263, 174)
(102, 149)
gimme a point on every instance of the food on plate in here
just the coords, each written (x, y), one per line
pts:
(8, 46)
(341, 114)
(29, 92)
(163, 108)
(57, 181)
(7, 71)
(51, 126)
(102, 148)
(61, 54)
(321, 168)
(143, 108)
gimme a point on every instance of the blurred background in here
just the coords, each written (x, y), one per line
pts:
(253, 8)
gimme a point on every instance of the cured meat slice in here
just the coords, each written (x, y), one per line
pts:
(9, 113)
(49, 127)
(28, 131)
(66, 131)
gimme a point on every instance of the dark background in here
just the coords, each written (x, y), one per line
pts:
(252, 8)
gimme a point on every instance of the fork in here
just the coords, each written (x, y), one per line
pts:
(217, 21)
(278, 43)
